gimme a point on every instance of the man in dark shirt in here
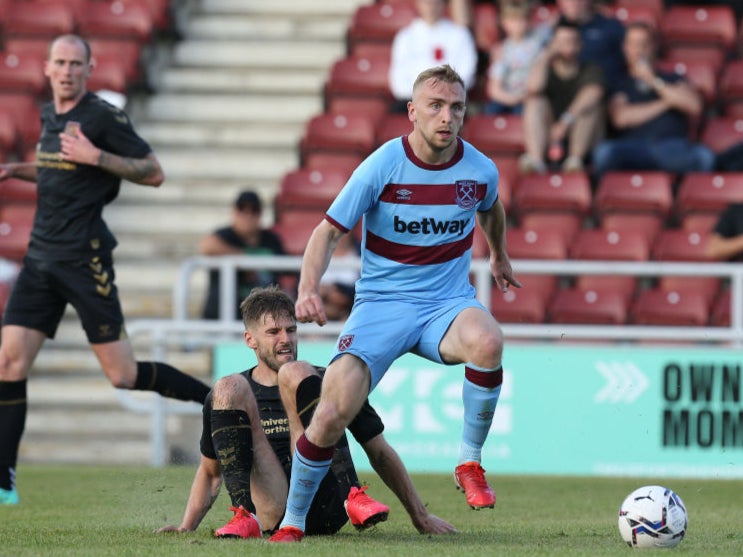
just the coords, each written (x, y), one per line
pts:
(253, 419)
(726, 241)
(86, 147)
(651, 111)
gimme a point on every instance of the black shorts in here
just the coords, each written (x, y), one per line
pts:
(43, 289)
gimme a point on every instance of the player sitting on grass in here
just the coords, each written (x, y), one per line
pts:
(251, 423)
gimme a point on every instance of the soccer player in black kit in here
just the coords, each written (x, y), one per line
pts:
(252, 421)
(86, 148)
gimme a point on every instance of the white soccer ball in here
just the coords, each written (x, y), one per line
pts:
(652, 516)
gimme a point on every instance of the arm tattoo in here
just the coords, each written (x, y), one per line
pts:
(128, 168)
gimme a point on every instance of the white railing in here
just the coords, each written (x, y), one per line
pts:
(185, 332)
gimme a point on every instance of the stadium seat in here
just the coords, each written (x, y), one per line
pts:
(679, 245)
(5, 288)
(707, 286)
(720, 312)
(480, 248)
(625, 285)
(17, 191)
(731, 85)
(647, 223)
(601, 245)
(21, 73)
(311, 189)
(339, 133)
(569, 192)
(588, 307)
(127, 51)
(485, 26)
(8, 131)
(359, 77)
(295, 227)
(632, 13)
(498, 135)
(701, 74)
(38, 18)
(697, 24)
(722, 132)
(323, 160)
(15, 231)
(370, 49)
(642, 192)
(564, 224)
(26, 113)
(709, 55)
(379, 22)
(527, 243)
(699, 222)
(374, 107)
(517, 305)
(109, 72)
(391, 126)
(116, 19)
(708, 192)
(654, 306)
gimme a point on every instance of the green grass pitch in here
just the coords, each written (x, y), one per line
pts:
(113, 511)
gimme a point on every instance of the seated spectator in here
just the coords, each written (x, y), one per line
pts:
(650, 111)
(726, 241)
(244, 236)
(563, 109)
(338, 284)
(429, 40)
(601, 36)
(512, 58)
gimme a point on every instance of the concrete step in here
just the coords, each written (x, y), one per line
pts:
(266, 26)
(240, 82)
(226, 135)
(258, 54)
(290, 8)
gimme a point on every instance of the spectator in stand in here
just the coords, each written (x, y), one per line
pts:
(430, 40)
(244, 236)
(601, 36)
(650, 111)
(512, 58)
(726, 241)
(563, 109)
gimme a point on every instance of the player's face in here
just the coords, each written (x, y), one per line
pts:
(67, 69)
(275, 341)
(437, 110)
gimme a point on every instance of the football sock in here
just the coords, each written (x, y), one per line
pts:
(480, 393)
(13, 406)
(307, 396)
(309, 466)
(169, 382)
(233, 444)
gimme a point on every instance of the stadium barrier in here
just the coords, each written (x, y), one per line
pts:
(184, 333)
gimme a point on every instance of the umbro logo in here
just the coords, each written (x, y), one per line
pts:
(404, 194)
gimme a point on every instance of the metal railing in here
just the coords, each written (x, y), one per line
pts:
(187, 332)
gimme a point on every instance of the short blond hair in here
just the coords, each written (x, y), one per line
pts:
(444, 73)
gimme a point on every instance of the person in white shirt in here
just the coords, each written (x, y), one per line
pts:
(430, 40)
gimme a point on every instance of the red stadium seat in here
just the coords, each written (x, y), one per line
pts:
(713, 25)
(721, 132)
(22, 73)
(391, 126)
(654, 306)
(15, 231)
(570, 192)
(359, 77)
(109, 72)
(710, 55)
(647, 223)
(516, 305)
(679, 245)
(699, 222)
(379, 22)
(632, 13)
(612, 245)
(339, 133)
(485, 26)
(532, 244)
(311, 189)
(295, 227)
(8, 131)
(701, 74)
(731, 84)
(38, 18)
(644, 192)
(707, 286)
(26, 113)
(127, 52)
(116, 19)
(495, 135)
(625, 285)
(657, 6)
(708, 192)
(564, 224)
(720, 312)
(324, 160)
(370, 49)
(589, 307)
(17, 191)
(374, 107)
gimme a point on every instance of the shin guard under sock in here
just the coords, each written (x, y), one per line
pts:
(13, 408)
(233, 444)
(169, 382)
(480, 393)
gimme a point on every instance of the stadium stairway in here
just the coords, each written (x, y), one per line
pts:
(230, 102)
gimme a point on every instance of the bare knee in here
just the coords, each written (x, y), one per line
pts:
(487, 350)
(230, 392)
(13, 368)
(291, 374)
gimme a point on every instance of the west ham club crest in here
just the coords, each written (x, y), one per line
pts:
(466, 193)
(344, 343)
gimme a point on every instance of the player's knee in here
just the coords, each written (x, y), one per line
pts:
(331, 420)
(488, 348)
(229, 391)
(291, 374)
